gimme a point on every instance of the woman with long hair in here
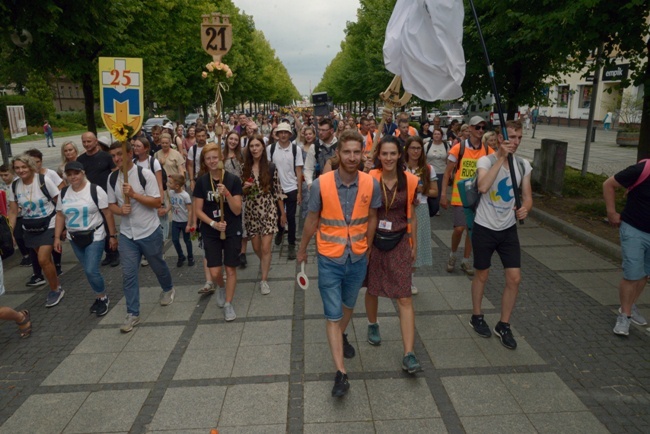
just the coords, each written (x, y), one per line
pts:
(179, 136)
(265, 127)
(424, 130)
(436, 152)
(214, 190)
(37, 203)
(416, 163)
(189, 140)
(394, 248)
(233, 162)
(453, 131)
(489, 140)
(87, 233)
(69, 152)
(262, 197)
(307, 138)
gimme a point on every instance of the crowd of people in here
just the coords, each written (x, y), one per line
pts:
(366, 191)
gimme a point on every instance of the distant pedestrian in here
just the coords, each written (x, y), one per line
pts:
(181, 209)
(635, 239)
(49, 135)
(607, 121)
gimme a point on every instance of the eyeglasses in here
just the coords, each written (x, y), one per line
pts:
(479, 127)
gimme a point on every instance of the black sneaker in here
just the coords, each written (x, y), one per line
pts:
(502, 329)
(243, 262)
(190, 262)
(480, 326)
(341, 385)
(292, 252)
(348, 349)
(278, 238)
(107, 260)
(115, 259)
(180, 262)
(26, 261)
(36, 281)
(100, 306)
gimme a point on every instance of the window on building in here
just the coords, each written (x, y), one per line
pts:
(563, 96)
(584, 95)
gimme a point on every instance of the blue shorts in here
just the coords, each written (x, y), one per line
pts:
(635, 247)
(339, 285)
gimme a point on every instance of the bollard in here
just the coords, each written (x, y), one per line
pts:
(552, 163)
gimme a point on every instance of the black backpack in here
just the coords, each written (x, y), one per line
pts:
(6, 240)
(151, 167)
(294, 149)
(318, 168)
(112, 178)
(41, 182)
(93, 193)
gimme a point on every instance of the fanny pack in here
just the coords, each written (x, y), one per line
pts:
(83, 239)
(37, 226)
(387, 241)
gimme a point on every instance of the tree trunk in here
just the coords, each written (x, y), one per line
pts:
(89, 102)
(643, 150)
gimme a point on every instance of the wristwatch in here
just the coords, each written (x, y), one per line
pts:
(113, 236)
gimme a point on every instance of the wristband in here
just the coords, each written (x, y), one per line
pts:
(212, 224)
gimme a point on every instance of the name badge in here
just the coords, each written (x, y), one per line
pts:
(385, 225)
(216, 213)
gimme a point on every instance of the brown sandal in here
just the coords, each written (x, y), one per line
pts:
(206, 291)
(26, 331)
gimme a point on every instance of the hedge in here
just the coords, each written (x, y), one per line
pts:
(35, 111)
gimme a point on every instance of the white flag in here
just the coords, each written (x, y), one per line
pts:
(424, 45)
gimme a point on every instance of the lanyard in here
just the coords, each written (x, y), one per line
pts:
(386, 204)
(214, 192)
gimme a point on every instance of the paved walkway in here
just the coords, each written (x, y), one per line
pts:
(184, 370)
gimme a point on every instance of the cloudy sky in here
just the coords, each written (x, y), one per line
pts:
(305, 34)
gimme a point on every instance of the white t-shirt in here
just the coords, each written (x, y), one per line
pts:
(437, 156)
(31, 200)
(81, 213)
(146, 164)
(179, 203)
(196, 160)
(54, 177)
(142, 221)
(283, 160)
(422, 198)
(496, 209)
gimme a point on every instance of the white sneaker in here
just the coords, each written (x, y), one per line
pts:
(264, 287)
(167, 298)
(130, 322)
(467, 268)
(451, 263)
(636, 316)
(221, 297)
(229, 312)
(414, 290)
(144, 262)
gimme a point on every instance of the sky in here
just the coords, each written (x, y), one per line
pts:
(305, 34)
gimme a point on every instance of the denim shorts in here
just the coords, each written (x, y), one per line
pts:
(339, 285)
(635, 248)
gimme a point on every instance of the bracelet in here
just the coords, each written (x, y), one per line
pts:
(212, 224)
(227, 194)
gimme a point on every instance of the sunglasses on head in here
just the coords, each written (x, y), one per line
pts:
(479, 127)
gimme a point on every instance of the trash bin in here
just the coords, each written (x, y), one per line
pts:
(593, 134)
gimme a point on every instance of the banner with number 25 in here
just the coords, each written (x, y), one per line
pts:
(121, 91)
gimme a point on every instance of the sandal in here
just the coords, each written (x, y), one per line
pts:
(26, 331)
(207, 290)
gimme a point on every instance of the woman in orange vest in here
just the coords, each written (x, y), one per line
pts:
(394, 247)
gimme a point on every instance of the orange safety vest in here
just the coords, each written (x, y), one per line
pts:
(368, 148)
(411, 187)
(333, 232)
(412, 132)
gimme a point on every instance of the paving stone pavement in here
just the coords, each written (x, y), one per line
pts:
(185, 370)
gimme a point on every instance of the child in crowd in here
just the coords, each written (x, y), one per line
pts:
(181, 207)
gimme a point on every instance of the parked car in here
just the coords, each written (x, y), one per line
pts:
(415, 113)
(154, 121)
(432, 115)
(191, 119)
(448, 116)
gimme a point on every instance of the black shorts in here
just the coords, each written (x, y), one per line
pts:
(220, 252)
(486, 241)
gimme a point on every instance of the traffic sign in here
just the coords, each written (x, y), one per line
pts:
(121, 90)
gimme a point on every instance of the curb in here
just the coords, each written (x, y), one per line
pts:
(590, 240)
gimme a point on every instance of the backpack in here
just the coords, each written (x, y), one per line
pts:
(294, 150)
(112, 178)
(318, 168)
(93, 193)
(644, 175)
(470, 196)
(164, 172)
(41, 181)
(6, 239)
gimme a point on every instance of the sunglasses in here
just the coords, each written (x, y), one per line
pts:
(479, 127)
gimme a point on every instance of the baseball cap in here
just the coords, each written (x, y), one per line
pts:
(74, 165)
(476, 120)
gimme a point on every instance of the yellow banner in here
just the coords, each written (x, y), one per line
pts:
(121, 91)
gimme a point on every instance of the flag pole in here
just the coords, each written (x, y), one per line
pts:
(497, 100)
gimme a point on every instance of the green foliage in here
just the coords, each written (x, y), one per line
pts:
(575, 185)
(35, 111)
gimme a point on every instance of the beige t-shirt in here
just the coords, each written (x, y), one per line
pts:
(173, 162)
